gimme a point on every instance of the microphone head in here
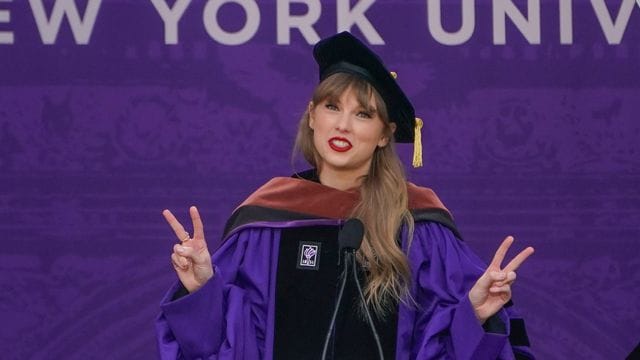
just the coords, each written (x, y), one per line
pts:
(350, 236)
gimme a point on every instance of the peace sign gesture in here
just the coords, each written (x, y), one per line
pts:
(190, 257)
(493, 288)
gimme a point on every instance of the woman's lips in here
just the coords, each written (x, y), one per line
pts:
(339, 144)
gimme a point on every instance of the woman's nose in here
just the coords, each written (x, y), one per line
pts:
(343, 123)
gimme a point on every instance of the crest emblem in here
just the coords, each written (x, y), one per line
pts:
(308, 255)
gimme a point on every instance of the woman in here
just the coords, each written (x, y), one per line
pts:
(271, 288)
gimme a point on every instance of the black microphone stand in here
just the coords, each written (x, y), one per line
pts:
(350, 238)
(354, 270)
(345, 275)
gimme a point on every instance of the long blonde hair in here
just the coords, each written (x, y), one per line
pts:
(383, 205)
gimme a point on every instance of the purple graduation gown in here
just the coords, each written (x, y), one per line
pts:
(232, 315)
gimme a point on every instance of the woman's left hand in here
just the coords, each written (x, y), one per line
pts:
(493, 288)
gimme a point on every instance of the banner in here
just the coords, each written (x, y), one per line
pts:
(111, 111)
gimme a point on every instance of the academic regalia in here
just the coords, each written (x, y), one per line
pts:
(269, 300)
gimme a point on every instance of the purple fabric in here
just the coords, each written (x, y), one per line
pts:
(441, 325)
(471, 341)
(444, 269)
(244, 283)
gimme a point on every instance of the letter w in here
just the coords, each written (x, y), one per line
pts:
(81, 27)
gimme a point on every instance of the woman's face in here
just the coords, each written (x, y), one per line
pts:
(345, 135)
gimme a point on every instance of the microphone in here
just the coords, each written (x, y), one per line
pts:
(349, 240)
(350, 237)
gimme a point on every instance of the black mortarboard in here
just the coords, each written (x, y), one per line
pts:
(344, 53)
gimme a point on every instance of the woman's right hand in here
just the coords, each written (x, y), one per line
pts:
(190, 258)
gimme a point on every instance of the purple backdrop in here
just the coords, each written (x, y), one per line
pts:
(108, 119)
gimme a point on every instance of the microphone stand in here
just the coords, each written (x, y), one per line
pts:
(349, 257)
(345, 272)
(366, 308)
(349, 239)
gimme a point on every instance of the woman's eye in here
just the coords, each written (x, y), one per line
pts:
(364, 114)
(331, 106)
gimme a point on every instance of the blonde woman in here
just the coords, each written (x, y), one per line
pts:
(269, 291)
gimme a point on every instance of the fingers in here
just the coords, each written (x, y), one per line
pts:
(496, 276)
(178, 229)
(501, 289)
(198, 228)
(519, 259)
(489, 277)
(496, 279)
(515, 262)
(179, 262)
(194, 255)
(501, 252)
(508, 280)
(502, 283)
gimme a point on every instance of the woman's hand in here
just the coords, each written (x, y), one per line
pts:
(190, 258)
(493, 288)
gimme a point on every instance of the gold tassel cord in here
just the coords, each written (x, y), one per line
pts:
(417, 144)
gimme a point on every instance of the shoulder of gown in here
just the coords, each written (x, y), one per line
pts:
(290, 199)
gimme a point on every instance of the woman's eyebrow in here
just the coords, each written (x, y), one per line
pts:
(371, 109)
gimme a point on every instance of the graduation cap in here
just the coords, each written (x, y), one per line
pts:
(344, 53)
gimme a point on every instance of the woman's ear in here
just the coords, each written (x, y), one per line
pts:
(385, 139)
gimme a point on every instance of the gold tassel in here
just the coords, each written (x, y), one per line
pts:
(417, 144)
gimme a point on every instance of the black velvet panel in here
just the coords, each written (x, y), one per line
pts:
(634, 354)
(305, 300)
(494, 325)
(181, 292)
(253, 213)
(518, 336)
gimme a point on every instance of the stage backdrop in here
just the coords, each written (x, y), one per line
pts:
(111, 111)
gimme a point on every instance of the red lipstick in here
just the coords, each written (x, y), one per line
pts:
(339, 144)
